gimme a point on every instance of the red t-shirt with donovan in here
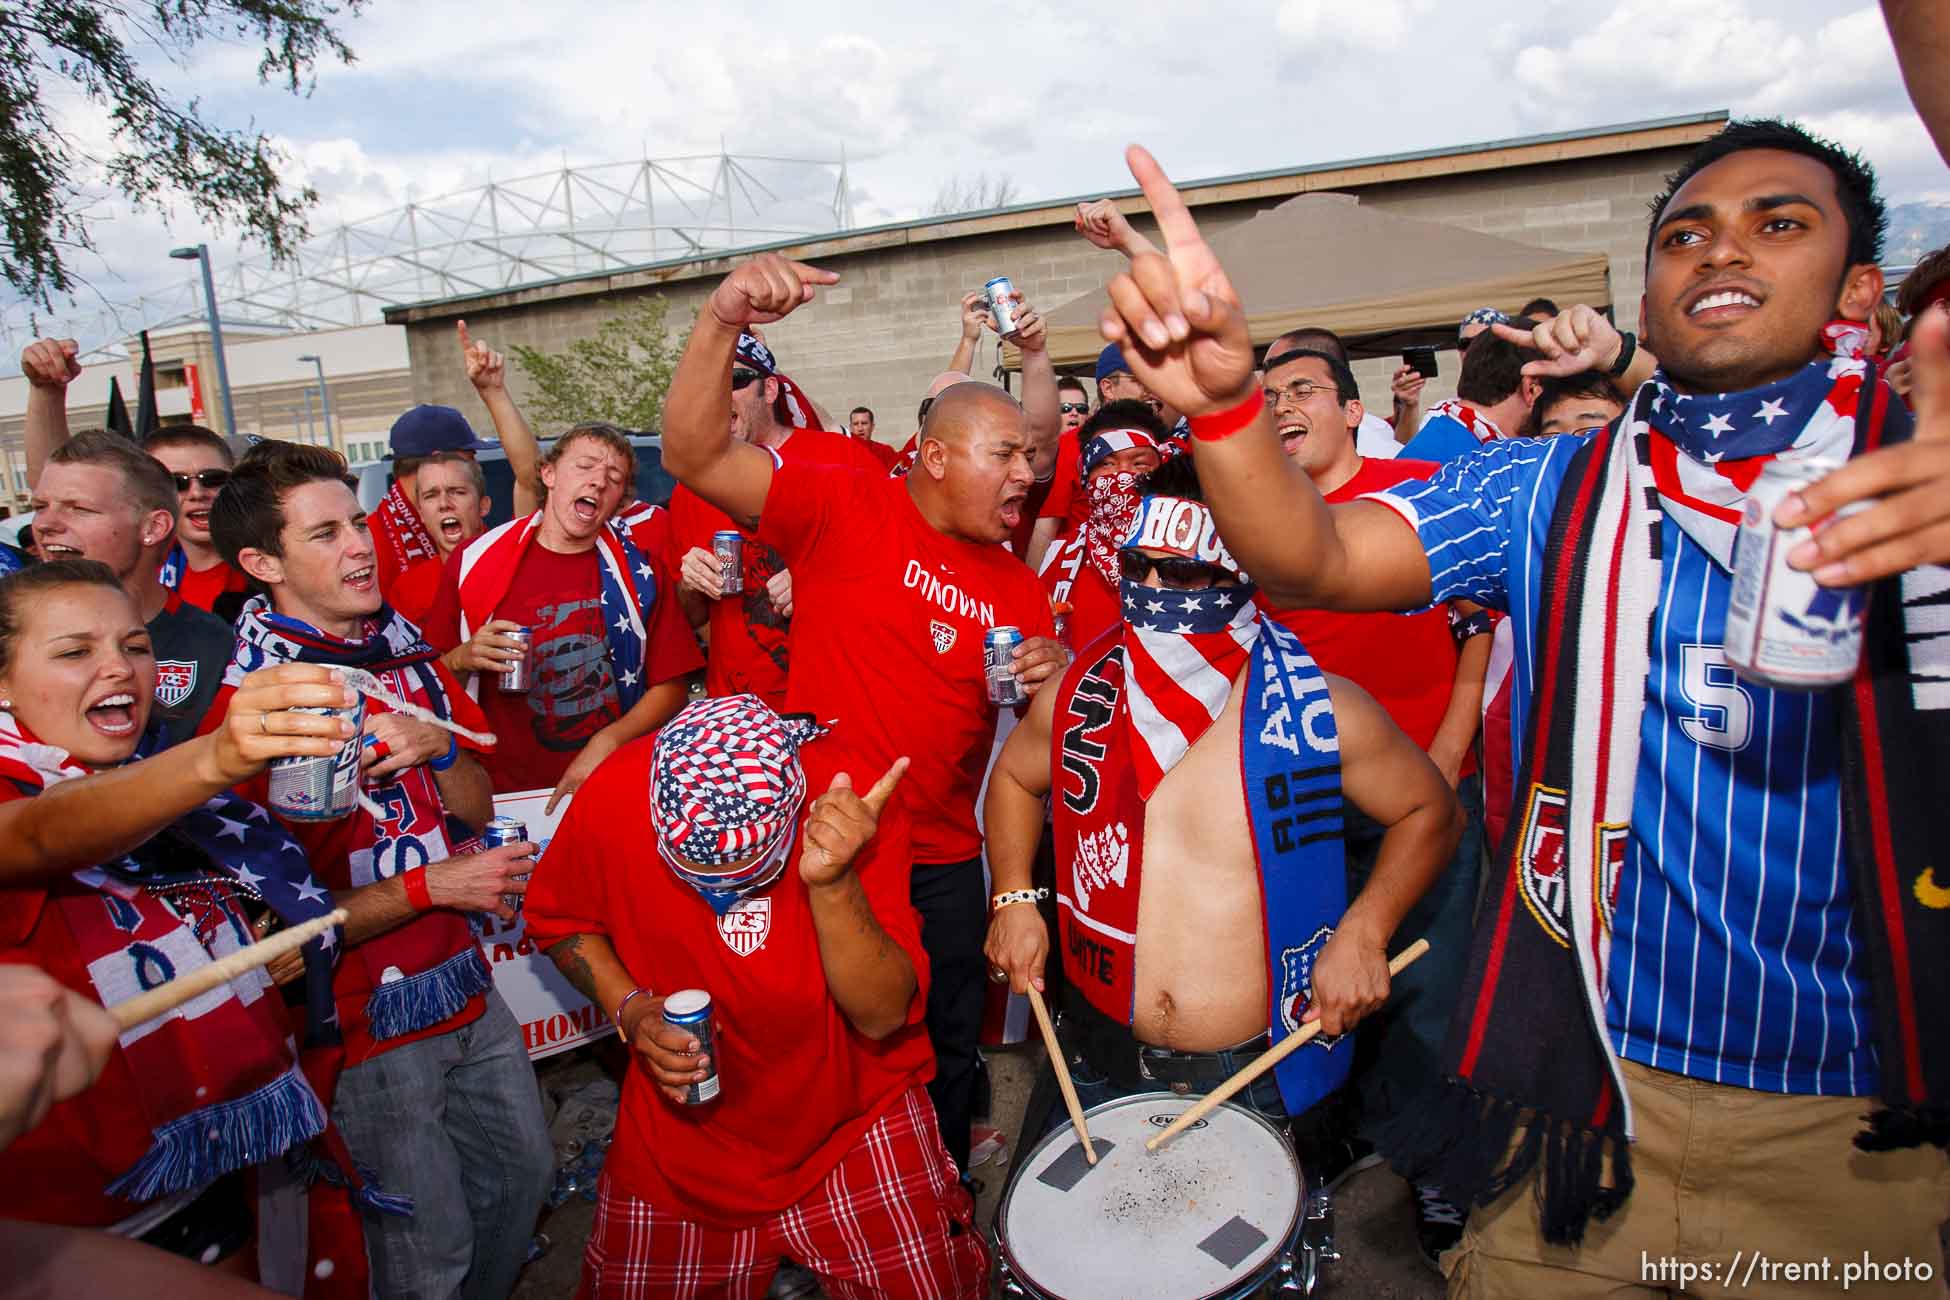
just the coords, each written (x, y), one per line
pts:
(887, 625)
(800, 1085)
(1406, 661)
(748, 636)
(574, 693)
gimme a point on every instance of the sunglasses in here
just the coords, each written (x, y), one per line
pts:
(1075, 408)
(743, 378)
(214, 479)
(1172, 570)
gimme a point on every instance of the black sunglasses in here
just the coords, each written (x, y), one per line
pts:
(214, 479)
(743, 378)
(1173, 570)
(1074, 408)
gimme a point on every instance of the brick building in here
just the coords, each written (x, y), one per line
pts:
(893, 321)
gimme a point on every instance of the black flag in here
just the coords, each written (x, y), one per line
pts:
(116, 420)
(146, 420)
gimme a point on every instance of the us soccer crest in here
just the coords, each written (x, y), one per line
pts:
(1544, 863)
(745, 924)
(175, 681)
(1297, 983)
(943, 634)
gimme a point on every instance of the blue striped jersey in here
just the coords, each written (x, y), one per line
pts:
(1735, 956)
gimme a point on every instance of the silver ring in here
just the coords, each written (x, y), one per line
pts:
(264, 723)
(999, 975)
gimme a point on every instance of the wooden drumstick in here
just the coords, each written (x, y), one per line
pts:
(1062, 1073)
(1267, 1060)
(164, 998)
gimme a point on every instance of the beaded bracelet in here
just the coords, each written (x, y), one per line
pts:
(1018, 896)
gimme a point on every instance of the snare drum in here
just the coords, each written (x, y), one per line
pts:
(1217, 1212)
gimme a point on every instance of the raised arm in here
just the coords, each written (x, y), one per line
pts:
(868, 974)
(1580, 339)
(1012, 820)
(698, 447)
(1104, 224)
(487, 370)
(49, 365)
(1184, 334)
(974, 315)
(81, 822)
(1039, 397)
(1388, 777)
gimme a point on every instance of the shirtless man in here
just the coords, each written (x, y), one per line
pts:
(1192, 1004)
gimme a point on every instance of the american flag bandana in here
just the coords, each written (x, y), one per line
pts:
(1186, 647)
(1706, 450)
(1108, 442)
(726, 783)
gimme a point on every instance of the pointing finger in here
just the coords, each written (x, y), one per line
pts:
(1167, 208)
(466, 339)
(1511, 334)
(883, 789)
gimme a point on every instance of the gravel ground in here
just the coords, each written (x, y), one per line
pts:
(1374, 1221)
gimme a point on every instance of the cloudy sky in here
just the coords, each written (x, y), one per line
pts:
(446, 95)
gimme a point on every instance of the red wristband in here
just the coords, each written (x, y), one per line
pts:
(1220, 426)
(415, 882)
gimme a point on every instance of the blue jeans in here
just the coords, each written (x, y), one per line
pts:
(455, 1122)
(1399, 1049)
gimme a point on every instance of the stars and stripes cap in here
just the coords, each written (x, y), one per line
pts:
(1108, 442)
(725, 784)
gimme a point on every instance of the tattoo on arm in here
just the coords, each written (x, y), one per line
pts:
(568, 958)
(868, 924)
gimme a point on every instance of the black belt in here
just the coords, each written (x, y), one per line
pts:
(1112, 1050)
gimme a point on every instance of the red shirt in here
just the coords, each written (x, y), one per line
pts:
(799, 1084)
(1406, 661)
(1067, 575)
(201, 587)
(560, 599)
(1063, 500)
(748, 636)
(888, 617)
(412, 593)
(881, 452)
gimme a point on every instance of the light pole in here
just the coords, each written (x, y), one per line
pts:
(324, 395)
(201, 254)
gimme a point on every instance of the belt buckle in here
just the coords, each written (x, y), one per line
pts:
(1144, 1068)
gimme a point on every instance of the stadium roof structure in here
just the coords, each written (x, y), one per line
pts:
(561, 223)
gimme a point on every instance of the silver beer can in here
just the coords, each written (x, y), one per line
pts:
(506, 830)
(1002, 304)
(315, 788)
(690, 1009)
(518, 676)
(1784, 629)
(998, 654)
(728, 545)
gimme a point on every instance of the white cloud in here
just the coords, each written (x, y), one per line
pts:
(1379, 25)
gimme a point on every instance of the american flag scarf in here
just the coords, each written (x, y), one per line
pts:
(1532, 1079)
(1481, 427)
(629, 593)
(1184, 647)
(407, 538)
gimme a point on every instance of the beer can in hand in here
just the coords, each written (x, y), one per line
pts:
(1784, 629)
(1001, 297)
(518, 676)
(506, 830)
(728, 545)
(998, 657)
(690, 1010)
(318, 788)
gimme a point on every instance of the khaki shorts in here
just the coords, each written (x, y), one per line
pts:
(1738, 1193)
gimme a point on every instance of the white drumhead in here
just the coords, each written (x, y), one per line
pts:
(1212, 1208)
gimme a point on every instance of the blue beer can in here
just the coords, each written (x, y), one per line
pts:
(690, 1010)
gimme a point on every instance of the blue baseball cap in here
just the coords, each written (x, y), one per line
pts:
(426, 429)
(1111, 361)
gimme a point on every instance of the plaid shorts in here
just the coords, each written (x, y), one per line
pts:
(891, 1220)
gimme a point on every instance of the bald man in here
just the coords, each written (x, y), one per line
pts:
(896, 580)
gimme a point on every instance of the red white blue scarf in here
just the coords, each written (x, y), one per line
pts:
(1481, 427)
(406, 535)
(629, 593)
(444, 968)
